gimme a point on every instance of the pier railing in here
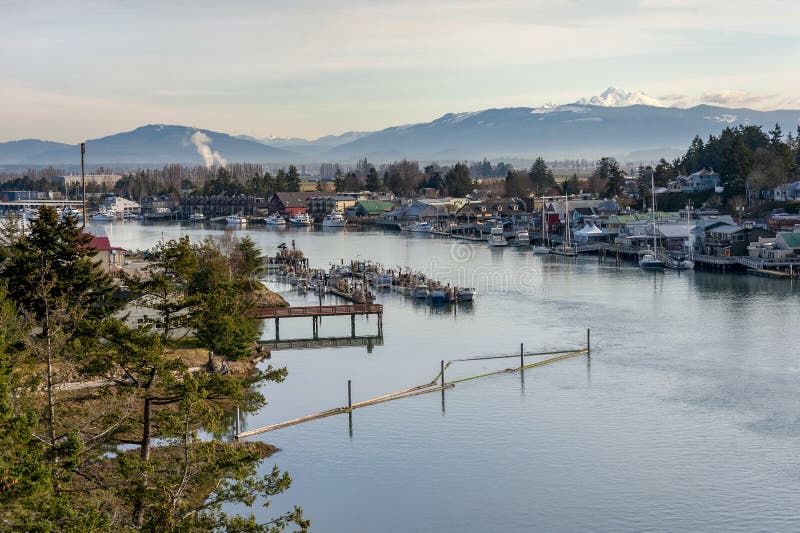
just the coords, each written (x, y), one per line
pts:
(317, 310)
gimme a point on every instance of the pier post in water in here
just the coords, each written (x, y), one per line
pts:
(588, 342)
(277, 329)
(521, 356)
(236, 422)
(442, 374)
(353, 325)
(349, 396)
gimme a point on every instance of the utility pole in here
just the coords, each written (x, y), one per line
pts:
(83, 182)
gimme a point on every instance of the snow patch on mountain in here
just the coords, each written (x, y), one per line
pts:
(724, 118)
(616, 97)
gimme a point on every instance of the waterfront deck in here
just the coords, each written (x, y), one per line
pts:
(317, 311)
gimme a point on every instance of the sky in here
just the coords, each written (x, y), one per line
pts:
(88, 68)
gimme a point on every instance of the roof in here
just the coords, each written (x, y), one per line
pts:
(294, 199)
(792, 239)
(375, 206)
(726, 229)
(674, 231)
(102, 244)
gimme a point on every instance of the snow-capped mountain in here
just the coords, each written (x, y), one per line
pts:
(616, 97)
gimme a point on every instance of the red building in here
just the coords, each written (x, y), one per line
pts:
(289, 204)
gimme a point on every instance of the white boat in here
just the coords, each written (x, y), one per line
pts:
(420, 291)
(103, 216)
(381, 281)
(420, 227)
(275, 219)
(236, 220)
(541, 250)
(497, 237)
(523, 237)
(334, 219)
(197, 217)
(544, 248)
(301, 219)
(649, 260)
(465, 294)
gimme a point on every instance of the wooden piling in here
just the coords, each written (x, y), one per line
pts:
(277, 329)
(521, 356)
(442, 363)
(588, 342)
(236, 422)
(353, 325)
(349, 395)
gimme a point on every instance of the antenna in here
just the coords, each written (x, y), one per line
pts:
(83, 182)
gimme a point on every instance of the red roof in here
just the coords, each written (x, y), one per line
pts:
(102, 244)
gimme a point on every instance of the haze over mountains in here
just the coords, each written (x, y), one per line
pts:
(626, 125)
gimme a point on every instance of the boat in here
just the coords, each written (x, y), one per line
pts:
(103, 216)
(334, 219)
(275, 219)
(301, 219)
(523, 237)
(544, 248)
(687, 263)
(197, 217)
(497, 237)
(566, 248)
(437, 295)
(420, 291)
(236, 220)
(649, 260)
(465, 294)
(420, 227)
(381, 281)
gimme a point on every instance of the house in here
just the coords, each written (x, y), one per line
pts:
(111, 258)
(702, 180)
(724, 239)
(415, 211)
(288, 204)
(790, 191)
(788, 241)
(673, 236)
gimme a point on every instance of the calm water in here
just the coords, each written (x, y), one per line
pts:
(687, 416)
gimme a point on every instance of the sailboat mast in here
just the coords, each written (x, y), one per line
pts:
(653, 193)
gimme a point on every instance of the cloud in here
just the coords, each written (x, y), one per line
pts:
(737, 98)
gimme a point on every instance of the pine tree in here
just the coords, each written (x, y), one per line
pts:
(293, 179)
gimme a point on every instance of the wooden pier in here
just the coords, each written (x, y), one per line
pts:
(316, 312)
(369, 341)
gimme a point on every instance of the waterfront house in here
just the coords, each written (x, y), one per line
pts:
(673, 236)
(288, 204)
(120, 206)
(369, 208)
(788, 241)
(724, 239)
(413, 212)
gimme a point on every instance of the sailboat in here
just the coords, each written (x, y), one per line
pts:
(544, 248)
(688, 263)
(650, 261)
(566, 248)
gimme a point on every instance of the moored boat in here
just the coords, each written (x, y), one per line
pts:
(197, 217)
(523, 237)
(301, 219)
(465, 294)
(275, 219)
(420, 291)
(236, 220)
(334, 219)
(497, 237)
(437, 295)
(103, 216)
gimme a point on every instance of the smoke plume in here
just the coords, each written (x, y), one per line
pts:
(201, 141)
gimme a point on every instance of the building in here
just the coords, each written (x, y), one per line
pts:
(790, 191)
(120, 206)
(320, 205)
(724, 239)
(288, 204)
(369, 208)
(29, 196)
(111, 257)
(72, 180)
(702, 180)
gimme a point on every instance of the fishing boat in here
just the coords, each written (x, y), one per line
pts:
(275, 219)
(381, 281)
(334, 219)
(103, 216)
(437, 295)
(420, 291)
(197, 217)
(236, 220)
(465, 294)
(301, 219)
(649, 260)
(497, 237)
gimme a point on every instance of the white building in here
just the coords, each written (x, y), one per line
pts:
(790, 191)
(120, 206)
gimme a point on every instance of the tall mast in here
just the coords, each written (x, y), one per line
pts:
(653, 193)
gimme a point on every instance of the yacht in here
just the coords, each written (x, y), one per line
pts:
(381, 281)
(197, 217)
(103, 216)
(334, 219)
(497, 237)
(275, 219)
(523, 237)
(420, 227)
(236, 220)
(301, 219)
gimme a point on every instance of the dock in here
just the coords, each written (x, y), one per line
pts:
(316, 312)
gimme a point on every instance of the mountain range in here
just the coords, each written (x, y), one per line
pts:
(623, 124)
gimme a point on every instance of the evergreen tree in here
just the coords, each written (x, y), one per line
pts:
(293, 179)
(458, 182)
(735, 167)
(280, 181)
(541, 177)
(373, 181)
